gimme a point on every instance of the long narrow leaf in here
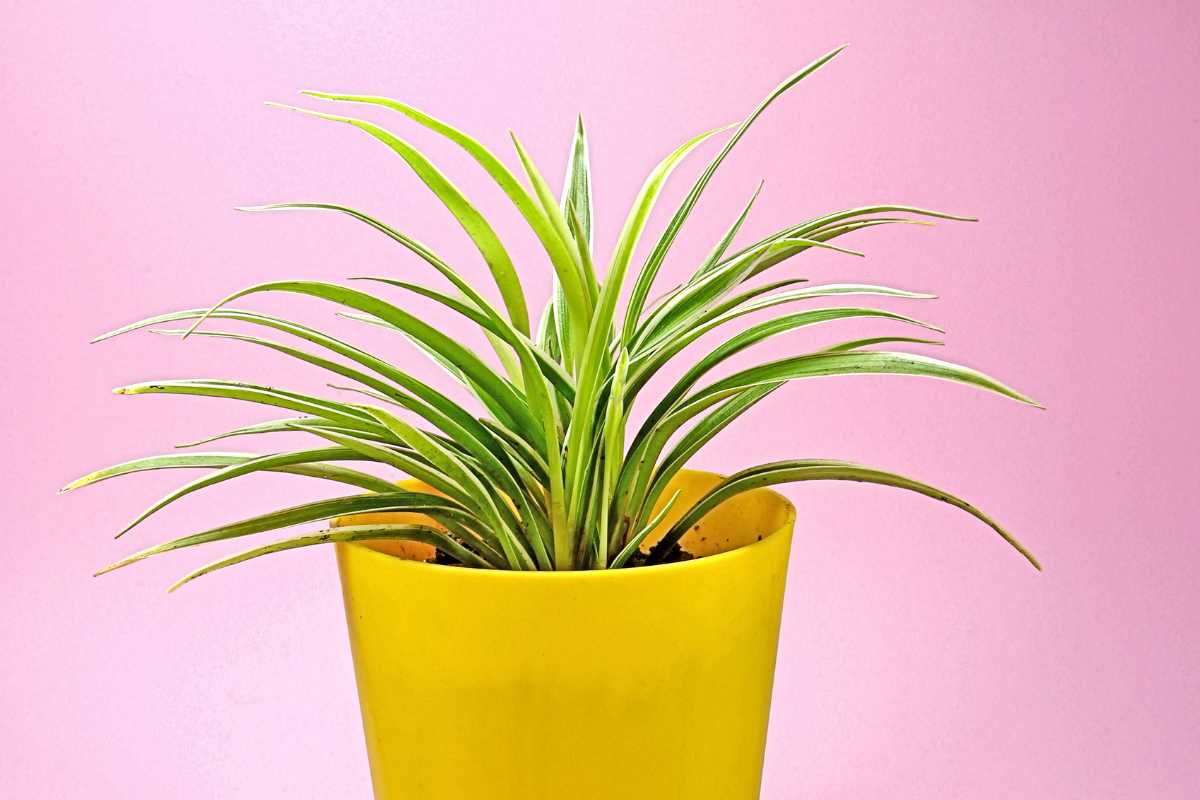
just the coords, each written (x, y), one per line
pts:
(462, 358)
(855, 363)
(529, 208)
(690, 443)
(472, 493)
(182, 461)
(771, 328)
(285, 425)
(636, 540)
(577, 184)
(594, 358)
(427, 394)
(548, 366)
(349, 533)
(476, 227)
(814, 469)
(415, 502)
(694, 299)
(649, 272)
(264, 395)
(267, 463)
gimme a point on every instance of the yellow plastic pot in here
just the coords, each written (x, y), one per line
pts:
(632, 684)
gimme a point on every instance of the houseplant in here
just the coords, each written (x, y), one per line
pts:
(593, 599)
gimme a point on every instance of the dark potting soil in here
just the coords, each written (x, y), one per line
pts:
(674, 556)
(638, 559)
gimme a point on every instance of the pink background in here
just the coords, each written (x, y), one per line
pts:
(920, 657)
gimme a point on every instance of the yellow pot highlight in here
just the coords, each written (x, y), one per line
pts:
(632, 684)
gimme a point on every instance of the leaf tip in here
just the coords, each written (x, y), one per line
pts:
(108, 569)
(308, 112)
(1027, 400)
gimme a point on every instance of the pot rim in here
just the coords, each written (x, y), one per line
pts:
(745, 551)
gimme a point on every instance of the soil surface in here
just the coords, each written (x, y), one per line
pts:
(638, 559)
(675, 555)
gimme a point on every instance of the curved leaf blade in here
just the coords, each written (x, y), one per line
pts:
(819, 469)
(476, 227)
(349, 533)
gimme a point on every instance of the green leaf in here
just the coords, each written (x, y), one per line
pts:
(765, 330)
(217, 461)
(635, 222)
(186, 461)
(818, 469)
(580, 236)
(852, 363)
(694, 299)
(577, 184)
(816, 224)
(445, 346)
(415, 502)
(858, 344)
(690, 443)
(636, 540)
(655, 432)
(727, 305)
(645, 280)
(667, 348)
(575, 284)
(594, 360)
(397, 455)
(559, 252)
(487, 400)
(476, 308)
(285, 425)
(334, 412)
(335, 367)
(418, 465)
(474, 436)
(613, 451)
(349, 533)
(476, 227)
(547, 365)
(272, 463)
(714, 257)
(470, 490)
(411, 244)
(430, 396)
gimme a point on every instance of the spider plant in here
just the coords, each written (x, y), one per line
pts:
(549, 473)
